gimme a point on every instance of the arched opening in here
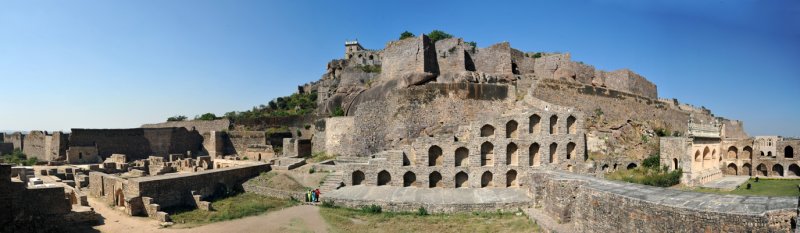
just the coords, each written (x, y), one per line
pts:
(259, 156)
(777, 170)
(553, 156)
(80, 155)
(794, 170)
(631, 166)
(409, 160)
(733, 153)
(486, 180)
(675, 164)
(571, 126)
(747, 152)
(371, 57)
(384, 178)
(570, 150)
(462, 157)
(762, 170)
(511, 129)
(409, 179)
(714, 154)
(119, 198)
(461, 180)
(511, 178)
(512, 157)
(706, 154)
(604, 167)
(535, 127)
(358, 178)
(487, 131)
(769, 154)
(554, 124)
(788, 152)
(732, 170)
(435, 156)
(747, 169)
(435, 180)
(697, 157)
(534, 159)
(487, 154)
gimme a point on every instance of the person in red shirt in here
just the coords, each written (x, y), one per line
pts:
(316, 191)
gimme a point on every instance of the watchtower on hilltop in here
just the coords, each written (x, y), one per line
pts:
(351, 47)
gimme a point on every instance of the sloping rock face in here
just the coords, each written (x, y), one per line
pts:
(416, 86)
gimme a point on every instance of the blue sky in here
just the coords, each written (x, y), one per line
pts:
(117, 64)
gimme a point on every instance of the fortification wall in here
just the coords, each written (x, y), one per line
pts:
(451, 55)
(596, 205)
(238, 141)
(416, 54)
(199, 125)
(176, 189)
(17, 139)
(138, 143)
(495, 59)
(35, 144)
(733, 129)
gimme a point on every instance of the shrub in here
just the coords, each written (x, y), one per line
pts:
(422, 211)
(406, 34)
(312, 170)
(19, 158)
(177, 118)
(437, 35)
(372, 209)
(370, 68)
(473, 44)
(338, 111)
(654, 161)
(537, 55)
(206, 117)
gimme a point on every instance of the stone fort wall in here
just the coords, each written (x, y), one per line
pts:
(596, 205)
(138, 143)
(199, 125)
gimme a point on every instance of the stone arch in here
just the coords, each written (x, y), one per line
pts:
(769, 153)
(747, 169)
(794, 170)
(777, 169)
(409, 179)
(259, 156)
(697, 157)
(512, 155)
(788, 152)
(371, 57)
(487, 179)
(553, 155)
(511, 178)
(435, 180)
(571, 126)
(747, 152)
(675, 164)
(604, 167)
(409, 159)
(384, 178)
(762, 153)
(80, 155)
(570, 150)
(733, 152)
(487, 154)
(554, 124)
(714, 154)
(732, 170)
(706, 154)
(462, 157)
(761, 170)
(535, 126)
(435, 157)
(358, 178)
(119, 198)
(487, 131)
(534, 159)
(631, 166)
(511, 129)
(461, 180)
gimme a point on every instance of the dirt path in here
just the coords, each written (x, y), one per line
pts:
(303, 218)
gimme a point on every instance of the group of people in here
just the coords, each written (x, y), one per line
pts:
(312, 195)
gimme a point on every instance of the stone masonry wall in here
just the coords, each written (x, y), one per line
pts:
(199, 125)
(138, 143)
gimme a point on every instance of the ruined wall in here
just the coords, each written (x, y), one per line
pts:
(6, 148)
(416, 54)
(35, 145)
(596, 205)
(627, 81)
(733, 129)
(236, 142)
(495, 59)
(138, 143)
(450, 55)
(213, 143)
(198, 125)
(17, 139)
(331, 136)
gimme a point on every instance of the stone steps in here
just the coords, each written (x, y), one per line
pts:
(331, 182)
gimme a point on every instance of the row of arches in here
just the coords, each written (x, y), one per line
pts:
(762, 170)
(534, 127)
(747, 152)
(435, 179)
(436, 156)
(607, 168)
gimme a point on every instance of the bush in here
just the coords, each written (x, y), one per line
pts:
(177, 118)
(338, 111)
(370, 68)
(372, 209)
(406, 34)
(654, 161)
(537, 55)
(312, 170)
(648, 176)
(437, 35)
(422, 211)
(206, 117)
(19, 158)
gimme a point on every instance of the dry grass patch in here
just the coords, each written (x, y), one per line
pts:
(350, 220)
(229, 208)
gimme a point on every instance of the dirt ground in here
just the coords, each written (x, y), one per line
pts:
(302, 218)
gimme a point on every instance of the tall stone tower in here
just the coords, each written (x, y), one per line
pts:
(351, 47)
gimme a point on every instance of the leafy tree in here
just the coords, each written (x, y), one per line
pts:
(437, 35)
(177, 118)
(406, 34)
(207, 117)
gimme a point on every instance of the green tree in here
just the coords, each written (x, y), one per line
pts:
(207, 117)
(437, 35)
(406, 34)
(177, 118)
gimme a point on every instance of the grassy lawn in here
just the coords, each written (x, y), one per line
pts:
(350, 220)
(233, 207)
(764, 187)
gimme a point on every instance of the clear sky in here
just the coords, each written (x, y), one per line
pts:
(117, 64)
